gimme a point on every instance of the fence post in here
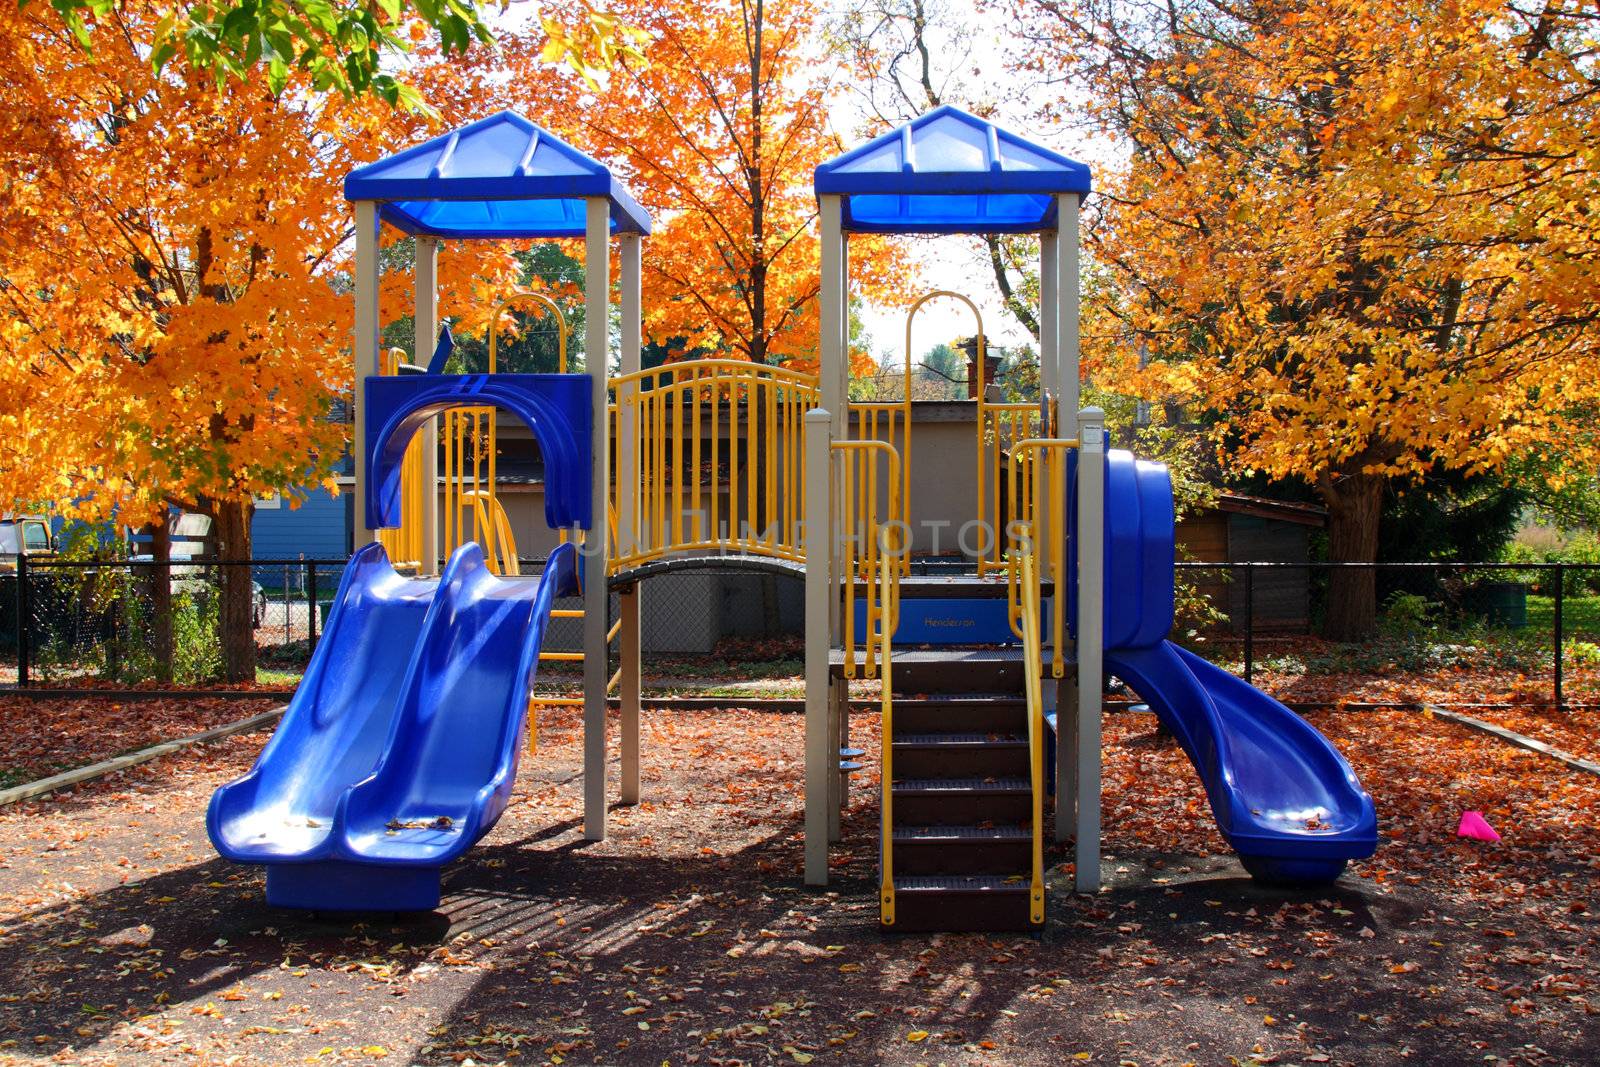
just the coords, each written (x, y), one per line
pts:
(311, 602)
(1249, 622)
(1561, 587)
(24, 620)
(288, 615)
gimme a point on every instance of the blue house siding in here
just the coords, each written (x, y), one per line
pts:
(317, 529)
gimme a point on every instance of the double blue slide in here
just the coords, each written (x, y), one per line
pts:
(399, 749)
(1282, 795)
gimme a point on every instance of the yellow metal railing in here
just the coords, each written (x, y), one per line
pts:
(888, 577)
(874, 529)
(1035, 525)
(1023, 563)
(1001, 428)
(403, 543)
(717, 455)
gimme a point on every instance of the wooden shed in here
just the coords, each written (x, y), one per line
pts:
(1239, 529)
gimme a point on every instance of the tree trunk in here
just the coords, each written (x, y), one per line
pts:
(1354, 505)
(233, 550)
(160, 579)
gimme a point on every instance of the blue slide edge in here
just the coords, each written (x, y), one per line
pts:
(1284, 798)
(349, 868)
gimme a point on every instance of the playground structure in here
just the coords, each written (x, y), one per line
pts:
(399, 748)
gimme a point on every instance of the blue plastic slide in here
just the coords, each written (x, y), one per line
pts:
(399, 749)
(1283, 796)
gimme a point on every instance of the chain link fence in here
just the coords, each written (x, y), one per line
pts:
(1467, 633)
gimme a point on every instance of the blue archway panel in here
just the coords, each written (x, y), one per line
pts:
(556, 407)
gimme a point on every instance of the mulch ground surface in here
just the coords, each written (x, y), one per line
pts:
(687, 937)
(42, 737)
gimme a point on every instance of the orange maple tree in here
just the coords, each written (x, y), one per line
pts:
(173, 332)
(1357, 238)
(717, 130)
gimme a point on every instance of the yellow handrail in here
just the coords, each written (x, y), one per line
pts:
(527, 296)
(403, 543)
(687, 489)
(1034, 460)
(868, 538)
(1031, 669)
(494, 532)
(887, 576)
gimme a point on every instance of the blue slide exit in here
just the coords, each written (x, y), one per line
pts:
(399, 749)
(1283, 796)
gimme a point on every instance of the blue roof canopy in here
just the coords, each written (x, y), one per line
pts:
(499, 177)
(950, 172)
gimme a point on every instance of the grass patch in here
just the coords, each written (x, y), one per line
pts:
(1579, 614)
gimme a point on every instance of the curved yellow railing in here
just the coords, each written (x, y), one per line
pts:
(717, 454)
(403, 543)
(525, 296)
(1037, 464)
(874, 529)
(886, 576)
(1024, 564)
(494, 533)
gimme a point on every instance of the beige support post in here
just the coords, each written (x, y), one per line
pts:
(596, 601)
(838, 711)
(1049, 314)
(821, 765)
(1091, 645)
(630, 691)
(365, 354)
(835, 318)
(1067, 302)
(427, 321)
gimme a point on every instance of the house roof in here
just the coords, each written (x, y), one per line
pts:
(950, 172)
(499, 177)
(1261, 507)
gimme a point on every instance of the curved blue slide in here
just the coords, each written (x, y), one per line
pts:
(1282, 795)
(399, 749)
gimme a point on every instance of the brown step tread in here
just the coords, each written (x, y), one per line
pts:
(959, 740)
(962, 834)
(962, 883)
(963, 785)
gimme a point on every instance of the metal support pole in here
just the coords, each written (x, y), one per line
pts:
(835, 319)
(311, 602)
(1249, 622)
(24, 619)
(1561, 587)
(1067, 320)
(427, 333)
(1091, 642)
(1049, 314)
(821, 764)
(365, 355)
(629, 691)
(596, 553)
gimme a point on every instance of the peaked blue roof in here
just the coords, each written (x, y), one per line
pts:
(501, 176)
(950, 172)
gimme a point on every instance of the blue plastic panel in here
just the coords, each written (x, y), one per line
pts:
(950, 172)
(501, 176)
(556, 407)
(1140, 550)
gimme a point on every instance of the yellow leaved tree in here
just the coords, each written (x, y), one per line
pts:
(1358, 240)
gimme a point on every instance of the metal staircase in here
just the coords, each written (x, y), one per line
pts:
(962, 779)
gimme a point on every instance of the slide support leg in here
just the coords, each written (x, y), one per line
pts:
(629, 691)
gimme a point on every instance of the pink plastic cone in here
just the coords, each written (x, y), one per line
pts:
(1475, 827)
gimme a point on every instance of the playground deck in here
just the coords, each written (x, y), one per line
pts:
(686, 936)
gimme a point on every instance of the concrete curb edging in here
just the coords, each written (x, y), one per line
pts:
(1511, 737)
(133, 759)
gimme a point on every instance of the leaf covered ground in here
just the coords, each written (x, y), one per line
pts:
(686, 938)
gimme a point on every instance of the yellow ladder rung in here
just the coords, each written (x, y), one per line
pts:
(562, 657)
(611, 635)
(567, 613)
(562, 702)
(615, 680)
